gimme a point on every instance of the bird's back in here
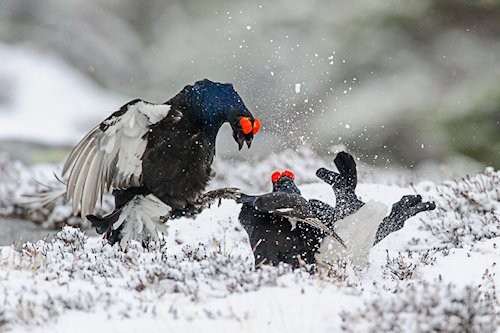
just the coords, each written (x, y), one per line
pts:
(276, 239)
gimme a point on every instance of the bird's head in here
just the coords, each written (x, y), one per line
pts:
(244, 129)
(284, 182)
(215, 103)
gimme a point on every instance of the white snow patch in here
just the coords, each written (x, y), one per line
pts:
(440, 268)
(47, 100)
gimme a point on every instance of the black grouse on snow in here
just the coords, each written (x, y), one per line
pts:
(157, 159)
(275, 237)
(283, 226)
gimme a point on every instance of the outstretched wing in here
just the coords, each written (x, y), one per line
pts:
(292, 206)
(110, 155)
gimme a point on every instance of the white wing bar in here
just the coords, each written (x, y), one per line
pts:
(110, 157)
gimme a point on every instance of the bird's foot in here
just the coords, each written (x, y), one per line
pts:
(410, 205)
(231, 193)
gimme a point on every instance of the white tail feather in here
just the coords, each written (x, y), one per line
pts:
(41, 199)
(142, 219)
(358, 233)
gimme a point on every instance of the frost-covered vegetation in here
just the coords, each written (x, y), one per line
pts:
(428, 306)
(103, 277)
(437, 273)
(468, 210)
(19, 189)
(413, 83)
(410, 82)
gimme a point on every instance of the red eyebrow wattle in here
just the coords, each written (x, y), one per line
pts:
(256, 126)
(288, 173)
(246, 125)
(278, 175)
(275, 176)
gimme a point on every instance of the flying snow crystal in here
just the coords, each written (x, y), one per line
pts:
(347, 126)
(249, 27)
(297, 88)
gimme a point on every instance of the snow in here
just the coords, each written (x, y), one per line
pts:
(438, 273)
(297, 88)
(201, 276)
(39, 87)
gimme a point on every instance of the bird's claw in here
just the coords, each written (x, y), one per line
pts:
(411, 205)
(224, 193)
(231, 193)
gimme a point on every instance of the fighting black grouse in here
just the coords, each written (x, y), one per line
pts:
(157, 159)
(347, 202)
(275, 235)
(283, 226)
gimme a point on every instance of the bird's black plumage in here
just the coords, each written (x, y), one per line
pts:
(177, 161)
(154, 154)
(269, 223)
(343, 184)
(347, 202)
(277, 228)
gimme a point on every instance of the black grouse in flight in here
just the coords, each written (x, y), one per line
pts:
(276, 235)
(157, 158)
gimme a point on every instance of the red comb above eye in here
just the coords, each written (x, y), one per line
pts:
(256, 126)
(246, 125)
(275, 176)
(288, 173)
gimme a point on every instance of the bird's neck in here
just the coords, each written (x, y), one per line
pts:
(207, 118)
(211, 120)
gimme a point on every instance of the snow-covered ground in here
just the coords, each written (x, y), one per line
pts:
(439, 273)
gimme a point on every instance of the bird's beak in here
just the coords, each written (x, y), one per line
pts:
(240, 143)
(241, 139)
(249, 142)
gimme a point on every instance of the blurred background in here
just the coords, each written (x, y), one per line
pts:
(412, 85)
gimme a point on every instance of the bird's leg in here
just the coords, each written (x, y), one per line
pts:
(322, 210)
(408, 206)
(167, 217)
(208, 198)
(103, 224)
(343, 184)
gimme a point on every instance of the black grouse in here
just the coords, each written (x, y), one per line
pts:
(275, 236)
(347, 202)
(157, 158)
(283, 226)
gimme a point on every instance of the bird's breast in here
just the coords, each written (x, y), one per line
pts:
(177, 164)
